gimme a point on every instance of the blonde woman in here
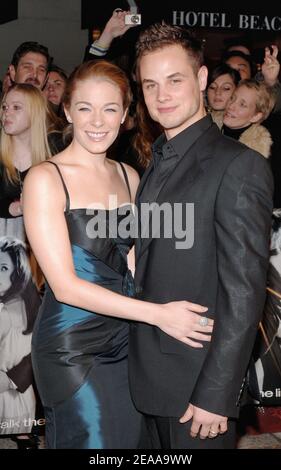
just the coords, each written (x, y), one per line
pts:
(250, 104)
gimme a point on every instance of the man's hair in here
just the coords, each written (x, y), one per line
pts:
(160, 35)
(31, 46)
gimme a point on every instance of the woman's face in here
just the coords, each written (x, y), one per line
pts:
(54, 88)
(241, 111)
(220, 91)
(96, 111)
(15, 113)
(6, 270)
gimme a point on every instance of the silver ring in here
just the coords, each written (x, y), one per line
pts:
(214, 434)
(203, 321)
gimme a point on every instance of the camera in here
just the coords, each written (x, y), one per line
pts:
(133, 19)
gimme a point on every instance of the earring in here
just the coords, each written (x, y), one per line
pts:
(69, 120)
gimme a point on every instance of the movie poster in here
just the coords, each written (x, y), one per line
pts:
(19, 304)
(267, 352)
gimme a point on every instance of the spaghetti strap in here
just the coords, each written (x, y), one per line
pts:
(126, 180)
(67, 203)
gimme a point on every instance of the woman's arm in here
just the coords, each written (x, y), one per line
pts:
(44, 201)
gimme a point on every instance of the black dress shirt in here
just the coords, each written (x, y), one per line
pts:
(167, 154)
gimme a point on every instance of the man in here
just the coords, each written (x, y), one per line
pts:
(190, 396)
(30, 64)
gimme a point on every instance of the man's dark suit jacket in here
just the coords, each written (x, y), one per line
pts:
(225, 270)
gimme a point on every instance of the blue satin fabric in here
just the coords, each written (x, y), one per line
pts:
(80, 357)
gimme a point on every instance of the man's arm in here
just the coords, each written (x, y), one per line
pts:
(242, 222)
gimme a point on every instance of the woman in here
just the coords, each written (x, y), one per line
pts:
(250, 104)
(23, 143)
(221, 84)
(81, 334)
(55, 86)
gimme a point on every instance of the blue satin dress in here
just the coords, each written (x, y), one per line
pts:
(80, 357)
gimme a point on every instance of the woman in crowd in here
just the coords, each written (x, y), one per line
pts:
(78, 210)
(249, 105)
(54, 89)
(221, 84)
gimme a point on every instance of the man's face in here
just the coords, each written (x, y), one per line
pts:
(172, 90)
(240, 64)
(32, 68)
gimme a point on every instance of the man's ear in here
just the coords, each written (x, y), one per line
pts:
(12, 72)
(203, 77)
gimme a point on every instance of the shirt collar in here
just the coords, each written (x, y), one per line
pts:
(182, 142)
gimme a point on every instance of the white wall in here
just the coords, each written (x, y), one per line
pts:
(53, 23)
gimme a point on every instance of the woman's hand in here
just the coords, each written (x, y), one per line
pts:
(182, 321)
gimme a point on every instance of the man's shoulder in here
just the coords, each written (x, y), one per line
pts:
(227, 149)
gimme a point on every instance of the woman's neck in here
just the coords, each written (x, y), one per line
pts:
(77, 154)
(234, 133)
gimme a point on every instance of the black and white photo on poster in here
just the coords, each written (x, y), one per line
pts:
(19, 303)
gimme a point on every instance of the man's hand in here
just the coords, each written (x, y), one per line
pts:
(205, 423)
